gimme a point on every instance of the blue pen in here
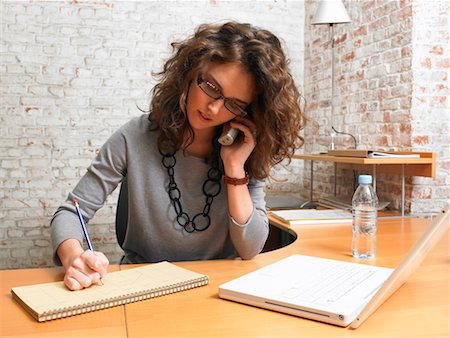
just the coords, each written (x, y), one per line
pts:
(83, 226)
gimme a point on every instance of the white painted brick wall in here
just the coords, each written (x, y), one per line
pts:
(72, 72)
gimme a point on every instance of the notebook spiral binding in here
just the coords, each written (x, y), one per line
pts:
(131, 298)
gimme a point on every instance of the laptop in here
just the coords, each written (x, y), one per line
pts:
(330, 291)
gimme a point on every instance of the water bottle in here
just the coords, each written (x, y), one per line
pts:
(364, 210)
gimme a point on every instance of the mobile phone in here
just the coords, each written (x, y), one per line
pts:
(228, 136)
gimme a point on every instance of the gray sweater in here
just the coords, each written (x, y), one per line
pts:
(153, 233)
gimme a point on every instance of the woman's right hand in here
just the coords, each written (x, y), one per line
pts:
(82, 268)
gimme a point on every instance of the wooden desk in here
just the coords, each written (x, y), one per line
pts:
(424, 166)
(419, 308)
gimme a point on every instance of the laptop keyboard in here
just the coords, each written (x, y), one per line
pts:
(335, 281)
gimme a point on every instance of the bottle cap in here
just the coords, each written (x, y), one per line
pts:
(365, 179)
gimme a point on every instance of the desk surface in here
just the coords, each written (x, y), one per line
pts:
(419, 308)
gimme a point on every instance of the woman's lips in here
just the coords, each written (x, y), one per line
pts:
(204, 117)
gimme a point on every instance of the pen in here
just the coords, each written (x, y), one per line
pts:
(83, 226)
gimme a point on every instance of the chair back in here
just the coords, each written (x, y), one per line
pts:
(122, 212)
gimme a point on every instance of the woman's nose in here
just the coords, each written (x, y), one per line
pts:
(215, 105)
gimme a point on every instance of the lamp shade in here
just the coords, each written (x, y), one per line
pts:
(330, 12)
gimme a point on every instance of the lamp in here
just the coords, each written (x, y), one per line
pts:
(331, 12)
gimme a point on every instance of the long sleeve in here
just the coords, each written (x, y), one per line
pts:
(102, 177)
(249, 238)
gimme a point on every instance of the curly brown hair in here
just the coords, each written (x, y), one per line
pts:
(276, 111)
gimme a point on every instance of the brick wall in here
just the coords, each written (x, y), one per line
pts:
(391, 93)
(430, 100)
(72, 73)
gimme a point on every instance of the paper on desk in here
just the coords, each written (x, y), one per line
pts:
(369, 153)
(313, 216)
(379, 154)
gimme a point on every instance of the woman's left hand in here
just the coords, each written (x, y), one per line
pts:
(235, 155)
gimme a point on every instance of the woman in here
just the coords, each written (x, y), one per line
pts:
(189, 197)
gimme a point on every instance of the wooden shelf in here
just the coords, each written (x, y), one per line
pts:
(424, 166)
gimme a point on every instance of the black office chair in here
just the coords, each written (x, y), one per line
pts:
(122, 212)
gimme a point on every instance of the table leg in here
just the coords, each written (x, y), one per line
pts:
(374, 170)
(311, 177)
(335, 178)
(403, 190)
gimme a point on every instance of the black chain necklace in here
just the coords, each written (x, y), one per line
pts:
(211, 188)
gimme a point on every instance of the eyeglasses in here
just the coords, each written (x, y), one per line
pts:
(213, 92)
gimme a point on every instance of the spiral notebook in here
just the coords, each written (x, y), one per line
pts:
(53, 300)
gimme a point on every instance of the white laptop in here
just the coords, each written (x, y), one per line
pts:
(330, 291)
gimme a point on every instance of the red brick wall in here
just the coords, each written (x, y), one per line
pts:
(384, 96)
